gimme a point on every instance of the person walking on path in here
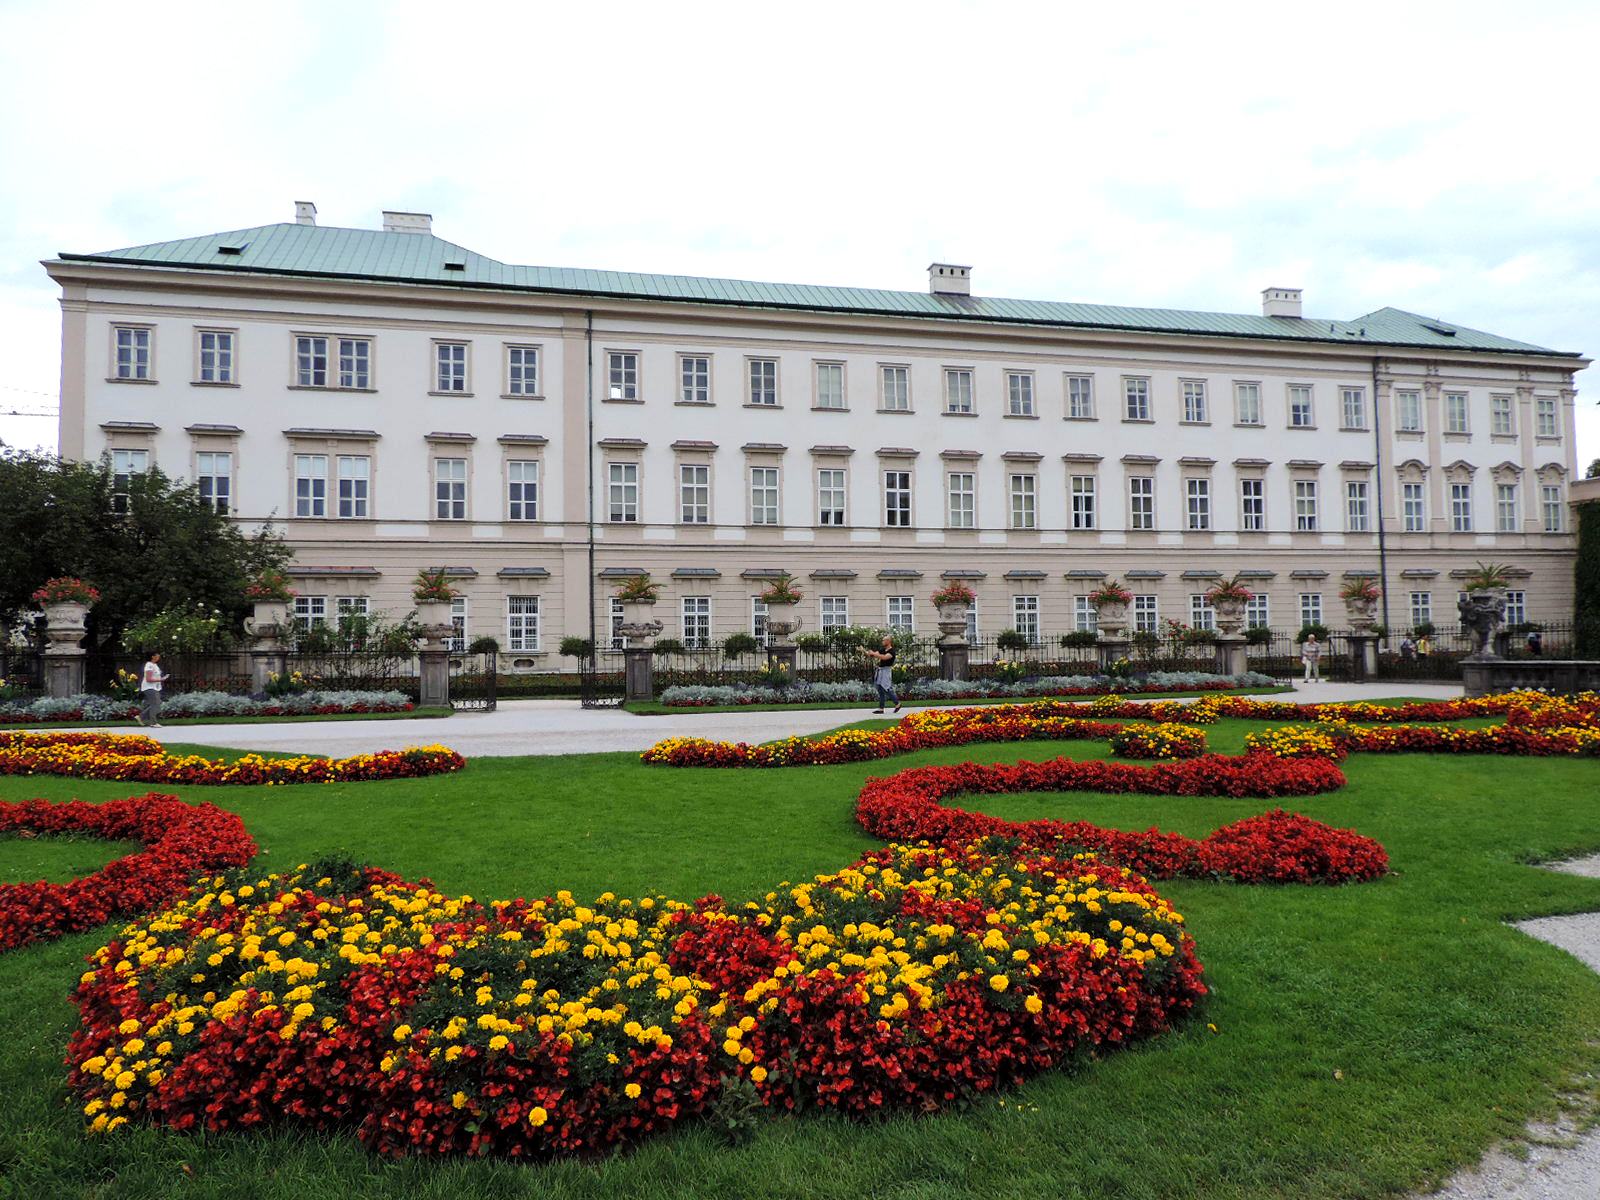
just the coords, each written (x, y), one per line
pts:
(883, 673)
(1311, 656)
(150, 682)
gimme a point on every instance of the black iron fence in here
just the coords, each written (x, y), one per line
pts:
(356, 671)
(21, 673)
(118, 672)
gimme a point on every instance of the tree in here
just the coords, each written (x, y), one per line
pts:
(1594, 470)
(149, 546)
(1586, 582)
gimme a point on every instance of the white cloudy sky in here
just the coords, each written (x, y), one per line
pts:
(1436, 157)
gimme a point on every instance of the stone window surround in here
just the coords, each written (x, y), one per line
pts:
(111, 351)
(333, 337)
(524, 447)
(332, 443)
(762, 454)
(505, 370)
(233, 366)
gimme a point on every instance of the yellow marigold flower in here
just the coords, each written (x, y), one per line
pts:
(631, 1091)
(538, 1117)
(499, 1042)
(999, 982)
(459, 1100)
(758, 1074)
(1033, 1004)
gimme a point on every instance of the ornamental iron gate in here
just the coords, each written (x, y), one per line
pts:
(473, 680)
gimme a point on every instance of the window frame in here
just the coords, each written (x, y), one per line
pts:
(1413, 506)
(1139, 413)
(1358, 410)
(843, 490)
(699, 619)
(512, 625)
(210, 497)
(1026, 617)
(901, 488)
(1547, 407)
(1083, 502)
(689, 508)
(753, 364)
(1146, 503)
(1022, 394)
(363, 501)
(1460, 504)
(1197, 504)
(1408, 404)
(818, 366)
(311, 499)
(516, 373)
(961, 499)
(440, 381)
(1195, 400)
(224, 366)
(440, 481)
(1022, 501)
(1507, 509)
(1073, 395)
(1502, 406)
(1307, 517)
(513, 499)
(1357, 506)
(1458, 405)
(694, 380)
(629, 487)
(952, 394)
(1252, 387)
(362, 364)
(624, 376)
(902, 374)
(1252, 521)
(769, 510)
(134, 363)
(1553, 504)
(1310, 394)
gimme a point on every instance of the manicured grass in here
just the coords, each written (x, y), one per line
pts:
(654, 708)
(55, 859)
(1369, 1038)
(415, 713)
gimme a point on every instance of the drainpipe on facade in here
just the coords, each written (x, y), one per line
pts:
(1377, 466)
(588, 344)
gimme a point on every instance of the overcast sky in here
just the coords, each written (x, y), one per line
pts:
(1434, 157)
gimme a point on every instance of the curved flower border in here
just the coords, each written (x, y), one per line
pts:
(180, 841)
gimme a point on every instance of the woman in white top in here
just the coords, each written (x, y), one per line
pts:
(150, 681)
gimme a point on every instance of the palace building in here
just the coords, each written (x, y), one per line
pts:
(390, 400)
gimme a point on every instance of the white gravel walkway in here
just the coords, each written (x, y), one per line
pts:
(1562, 1164)
(563, 727)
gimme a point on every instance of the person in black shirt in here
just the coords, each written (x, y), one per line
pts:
(883, 674)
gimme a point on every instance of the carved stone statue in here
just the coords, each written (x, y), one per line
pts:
(1482, 612)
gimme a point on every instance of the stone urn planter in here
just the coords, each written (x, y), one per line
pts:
(269, 620)
(434, 617)
(1111, 619)
(1360, 613)
(1230, 615)
(1483, 610)
(64, 626)
(782, 623)
(639, 624)
(953, 621)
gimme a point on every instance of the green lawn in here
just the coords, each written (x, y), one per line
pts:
(654, 708)
(1369, 1039)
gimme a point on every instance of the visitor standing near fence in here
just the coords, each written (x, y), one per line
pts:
(883, 674)
(150, 682)
(1311, 656)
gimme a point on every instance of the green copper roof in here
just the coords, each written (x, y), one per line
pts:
(324, 252)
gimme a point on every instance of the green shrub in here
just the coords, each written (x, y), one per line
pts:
(668, 646)
(576, 647)
(1258, 635)
(1012, 639)
(1080, 638)
(179, 631)
(483, 645)
(1310, 628)
(736, 645)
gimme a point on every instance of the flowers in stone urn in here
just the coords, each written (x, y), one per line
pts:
(781, 590)
(1109, 593)
(1228, 598)
(269, 587)
(1110, 601)
(1360, 595)
(954, 593)
(638, 589)
(66, 589)
(780, 596)
(638, 595)
(953, 601)
(1487, 577)
(432, 586)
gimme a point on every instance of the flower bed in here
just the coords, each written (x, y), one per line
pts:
(180, 841)
(806, 692)
(1158, 741)
(338, 998)
(124, 756)
(206, 704)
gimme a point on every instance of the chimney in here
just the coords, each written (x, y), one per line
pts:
(947, 279)
(407, 222)
(1280, 302)
(305, 212)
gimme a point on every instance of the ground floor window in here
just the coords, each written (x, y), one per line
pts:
(1085, 618)
(758, 622)
(310, 610)
(1025, 617)
(899, 612)
(522, 623)
(1201, 614)
(1516, 608)
(458, 625)
(1421, 608)
(1146, 614)
(835, 612)
(1310, 608)
(1257, 611)
(696, 622)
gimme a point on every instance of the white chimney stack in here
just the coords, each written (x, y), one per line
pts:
(1280, 302)
(407, 222)
(305, 212)
(948, 279)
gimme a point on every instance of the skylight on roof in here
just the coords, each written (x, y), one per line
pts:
(232, 249)
(455, 266)
(1441, 330)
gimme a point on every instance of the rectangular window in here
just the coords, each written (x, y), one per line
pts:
(900, 612)
(1554, 508)
(1505, 507)
(450, 489)
(216, 356)
(1301, 415)
(972, 625)
(1201, 614)
(311, 361)
(830, 496)
(1085, 618)
(1310, 608)
(1197, 496)
(1544, 415)
(694, 494)
(764, 381)
(1353, 407)
(450, 367)
(355, 483)
(758, 622)
(622, 375)
(1500, 420)
(1412, 511)
(1356, 518)
(897, 499)
(1421, 608)
(214, 478)
(457, 641)
(1146, 614)
(310, 485)
(694, 379)
(958, 391)
(347, 608)
(1516, 607)
(1136, 399)
(835, 612)
(1408, 412)
(617, 642)
(355, 363)
(962, 512)
(522, 623)
(1461, 507)
(522, 379)
(1455, 412)
(1247, 403)
(622, 491)
(1194, 401)
(896, 389)
(522, 490)
(310, 610)
(1257, 611)
(1141, 502)
(1019, 393)
(696, 622)
(1025, 617)
(830, 385)
(1080, 397)
(1305, 504)
(1024, 501)
(1083, 514)
(133, 353)
(1252, 505)
(763, 495)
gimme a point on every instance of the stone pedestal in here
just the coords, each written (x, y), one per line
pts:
(639, 673)
(782, 656)
(264, 664)
(267, 628)
(1111, 648)
(64, 656)
(1363, 655)
(955, 659)
(435, 690)
(1230, 650)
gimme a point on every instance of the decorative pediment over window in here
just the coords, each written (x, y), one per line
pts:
(1506, 470)
(1552, 471)
(1412, 469)
(1461, 469)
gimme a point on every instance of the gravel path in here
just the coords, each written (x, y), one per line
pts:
(1562, 1164)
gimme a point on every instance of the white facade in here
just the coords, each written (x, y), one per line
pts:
(984, 422)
